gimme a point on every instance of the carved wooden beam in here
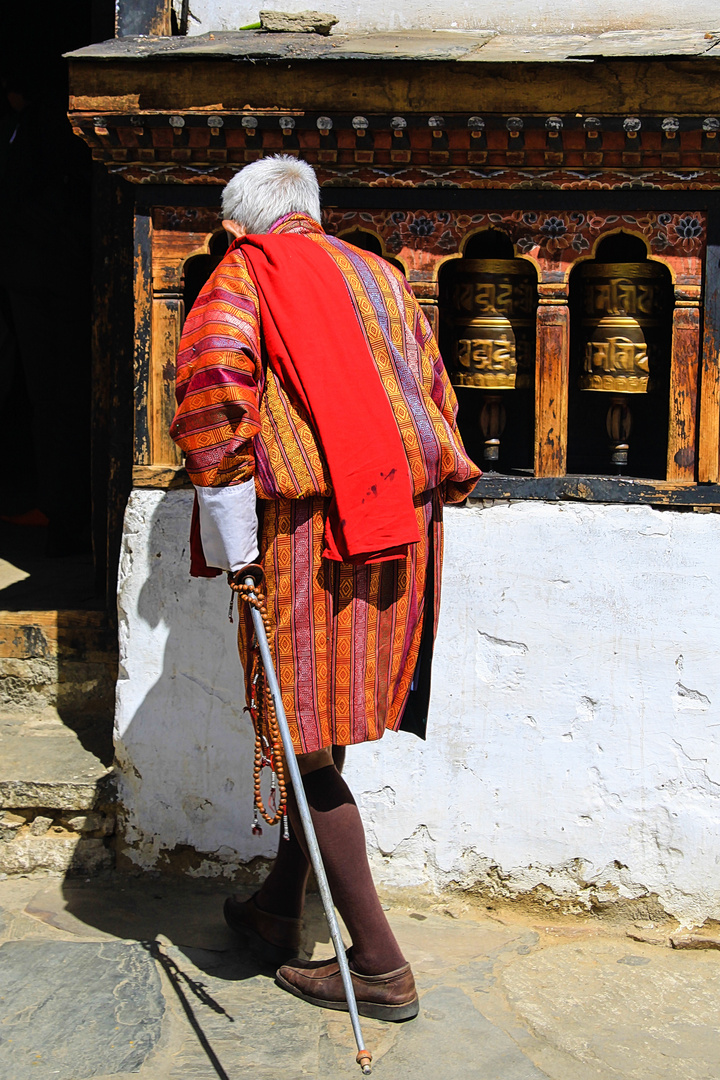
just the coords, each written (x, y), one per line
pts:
(202, 145)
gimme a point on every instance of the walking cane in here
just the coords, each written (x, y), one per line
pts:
(364, 1057)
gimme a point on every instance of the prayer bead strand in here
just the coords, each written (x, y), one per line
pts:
(268, 745)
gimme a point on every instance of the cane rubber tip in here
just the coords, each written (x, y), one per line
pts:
(363, 1059)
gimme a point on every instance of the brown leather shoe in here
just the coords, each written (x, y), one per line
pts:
(384, 997)
(272, 938)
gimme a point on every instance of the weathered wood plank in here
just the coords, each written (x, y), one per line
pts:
(551, 387)
(709, 421)
(603, 489)
(407, 44)
(165, 477)
(602, 87)
(142, 287)
(684, 366)
(167, 320)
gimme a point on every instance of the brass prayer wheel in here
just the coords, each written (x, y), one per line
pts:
(623, 309)
(492, 309)
(623, 316)
(485, 354)
(616, 357)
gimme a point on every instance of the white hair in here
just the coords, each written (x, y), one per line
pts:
(268, 189)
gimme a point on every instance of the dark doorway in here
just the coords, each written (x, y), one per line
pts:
(46, 552)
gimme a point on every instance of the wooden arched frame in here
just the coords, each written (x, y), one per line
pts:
(555, 242)
(423, 241)
(163, 245)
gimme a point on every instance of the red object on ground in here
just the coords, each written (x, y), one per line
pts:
(33, 518)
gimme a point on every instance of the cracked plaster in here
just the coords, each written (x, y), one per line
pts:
(573, 738)
(540, 16)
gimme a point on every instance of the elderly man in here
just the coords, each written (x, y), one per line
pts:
(319, 431)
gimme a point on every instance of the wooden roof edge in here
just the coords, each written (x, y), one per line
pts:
(474, 46)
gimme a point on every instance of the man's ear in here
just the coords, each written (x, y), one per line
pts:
(234, 228)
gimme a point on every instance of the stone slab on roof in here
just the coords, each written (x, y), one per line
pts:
(629, 43)
(261, 45)
(528, 48)
(447, 45)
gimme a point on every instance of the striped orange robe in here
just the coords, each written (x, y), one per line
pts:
(346, 639)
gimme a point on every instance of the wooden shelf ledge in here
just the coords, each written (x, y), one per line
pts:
(596, 489)
(165, 477)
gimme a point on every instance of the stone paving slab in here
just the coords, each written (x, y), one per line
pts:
(121, 979)
(188, 913)
(72, 1010)
(638, 1011)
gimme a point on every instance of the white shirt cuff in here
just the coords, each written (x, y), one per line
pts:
(228, 525)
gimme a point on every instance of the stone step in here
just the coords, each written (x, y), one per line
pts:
(44, 764)
(77, 635)
(57, 691)
(64, 660)
(57, 799)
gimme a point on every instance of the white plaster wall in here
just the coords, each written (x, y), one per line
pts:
(546, 16)
(183, 744)
(573, 741)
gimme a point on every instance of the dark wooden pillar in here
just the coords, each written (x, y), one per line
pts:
(552, 375)
(709, 433)
(112, 347)
(682, 434)
(142, 360)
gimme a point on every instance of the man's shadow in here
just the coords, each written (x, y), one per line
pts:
(184, 753)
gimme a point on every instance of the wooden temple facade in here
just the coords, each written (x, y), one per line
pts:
(555, 206)
(421, 149)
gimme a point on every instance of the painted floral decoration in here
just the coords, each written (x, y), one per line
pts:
(688, 227)
(421, 226)
(554, 228)
(551, 238)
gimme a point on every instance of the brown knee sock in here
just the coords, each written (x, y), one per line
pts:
(341, 839)
(283, 891)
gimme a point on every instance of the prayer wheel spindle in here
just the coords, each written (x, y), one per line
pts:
(493, 418)
(622, 323)
(493, 304)
(619, 424)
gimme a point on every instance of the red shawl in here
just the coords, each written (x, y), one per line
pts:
(317, 347)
